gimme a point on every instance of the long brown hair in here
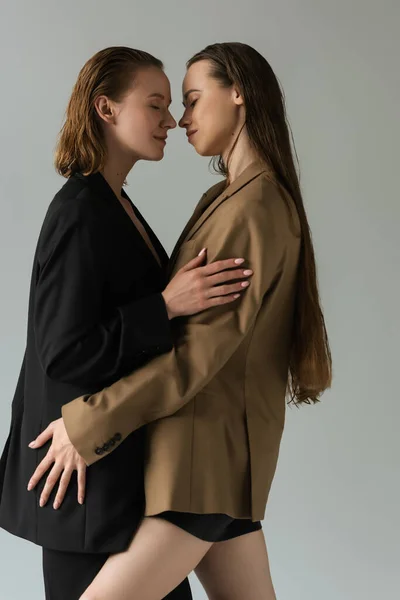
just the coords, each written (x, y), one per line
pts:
(81, 146)
(310, 366)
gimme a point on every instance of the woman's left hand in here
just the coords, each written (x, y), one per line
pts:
(64, 460)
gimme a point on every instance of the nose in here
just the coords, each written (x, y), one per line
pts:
(169, 122)
(184, 121)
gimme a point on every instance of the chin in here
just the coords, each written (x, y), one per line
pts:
(203, 150)
(155, 156)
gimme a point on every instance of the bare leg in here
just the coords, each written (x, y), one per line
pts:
(237, 569)
(159, 557)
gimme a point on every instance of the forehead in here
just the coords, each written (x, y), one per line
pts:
(152, 80)
(197, 75)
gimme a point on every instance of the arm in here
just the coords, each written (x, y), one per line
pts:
(76, 342)
(170, 381)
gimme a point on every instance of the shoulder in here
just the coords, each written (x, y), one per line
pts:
(74, 208)
(263, 200)
(75, 201)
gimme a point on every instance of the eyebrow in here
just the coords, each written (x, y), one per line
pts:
(185, 96)
(158, 95)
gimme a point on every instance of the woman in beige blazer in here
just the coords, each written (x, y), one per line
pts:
(215, 404)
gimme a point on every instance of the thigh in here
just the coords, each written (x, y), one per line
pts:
(157, 561)
(68, 574)
(237, 569)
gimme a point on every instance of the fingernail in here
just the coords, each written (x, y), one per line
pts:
(245, 284)
(55, 505)
(248, 272)
(80, 500)
(236, 296)
(239, 261)
(41, 503)
(29, 487)
(202, 251)
(32, 445)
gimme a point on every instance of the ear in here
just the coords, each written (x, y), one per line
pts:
(237, 96)
(104, 108)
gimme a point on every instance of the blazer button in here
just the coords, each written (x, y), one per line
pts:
(117, 437)
(99, 451)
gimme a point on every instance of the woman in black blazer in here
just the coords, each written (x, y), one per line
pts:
(98, 308)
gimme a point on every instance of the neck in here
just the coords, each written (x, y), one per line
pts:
(116, 169)
(242, 156)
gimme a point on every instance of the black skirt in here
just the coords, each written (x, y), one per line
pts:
(210, 527)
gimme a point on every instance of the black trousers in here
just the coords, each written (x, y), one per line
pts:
(68, 574)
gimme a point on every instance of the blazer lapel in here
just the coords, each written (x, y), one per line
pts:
(210, 201)
(204, 202)
(159, 248)
(103, 190)
(250, 173)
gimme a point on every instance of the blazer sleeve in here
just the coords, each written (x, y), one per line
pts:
(79, 341)
(97, 423)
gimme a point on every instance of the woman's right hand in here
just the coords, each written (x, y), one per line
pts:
(196, 288)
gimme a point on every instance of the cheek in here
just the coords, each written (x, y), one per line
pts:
(216, 127)
(135, 133)
(127, 125)
(138, 123)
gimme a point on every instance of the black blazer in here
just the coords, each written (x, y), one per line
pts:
(95, 314)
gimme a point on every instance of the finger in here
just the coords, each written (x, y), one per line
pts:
(51, 481)
(62, 488)
(225, 290)
(229, 276)
(81, 483)
(220, 300)
(41, 469)
(222, 265)
(44, 437)
(195, 262)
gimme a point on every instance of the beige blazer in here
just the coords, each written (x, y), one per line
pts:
(215, 404)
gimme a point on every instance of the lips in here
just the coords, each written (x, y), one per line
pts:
(191, 133)
(161, 139)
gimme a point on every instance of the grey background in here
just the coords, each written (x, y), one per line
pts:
(332, 523)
